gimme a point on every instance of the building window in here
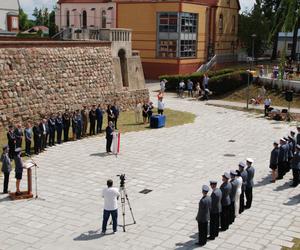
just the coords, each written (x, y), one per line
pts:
(221, 24)
(68, 18)
(15, 22)
(233, 24)
(103, 19)
(84, 19)
(176, 34)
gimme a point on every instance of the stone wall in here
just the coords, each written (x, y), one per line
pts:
(40, 79)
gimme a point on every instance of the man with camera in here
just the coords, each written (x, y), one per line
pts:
(110, 195)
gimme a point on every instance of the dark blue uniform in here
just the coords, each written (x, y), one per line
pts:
(109, 138)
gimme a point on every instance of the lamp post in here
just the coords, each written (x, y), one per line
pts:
(253, 36)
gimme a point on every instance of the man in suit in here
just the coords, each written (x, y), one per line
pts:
(281, 159)
(11, 141)
(244, 176)
(99, 115)
(66, 124)
(19, 135)
(116, 112)
(85, 118)
(37, 138)
(52, 129)
(92, 116)
(6, 168)
(203, 216)
(215, 211)
(274, 161)
(225, 201)
(234, 184)
(59, 127)
(296, 167)
(45, 132)
(250, 184)
(109, 136)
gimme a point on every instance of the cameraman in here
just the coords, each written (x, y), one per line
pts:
(110, 195)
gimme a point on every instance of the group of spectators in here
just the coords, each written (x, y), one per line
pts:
(225, 203)
(55, 128)
(286, 156)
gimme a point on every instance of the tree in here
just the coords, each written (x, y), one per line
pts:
(53, 29)
(24, 23)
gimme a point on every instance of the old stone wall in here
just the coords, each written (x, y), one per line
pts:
(38, 80)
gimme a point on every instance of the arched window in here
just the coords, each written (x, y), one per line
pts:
(68, 18)
(233, 24)
(84, 19)
(103, 19)
(221, 24)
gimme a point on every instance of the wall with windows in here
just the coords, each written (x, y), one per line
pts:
(86, 15)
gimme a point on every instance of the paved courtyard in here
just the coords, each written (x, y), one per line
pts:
(174, 163)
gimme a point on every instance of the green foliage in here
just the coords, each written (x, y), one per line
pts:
(53, 29)
(34, 35)
(24, 22)
(220, 82)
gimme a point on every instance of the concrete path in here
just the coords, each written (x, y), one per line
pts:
(174, 163)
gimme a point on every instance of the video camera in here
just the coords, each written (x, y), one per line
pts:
(122, 179)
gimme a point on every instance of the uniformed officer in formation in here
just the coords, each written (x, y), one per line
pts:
(244, 176)
(234, 184)
(226, 188)
(250, 183)
(203, 216)
(215, 211)
(295, 165)
(6, 168)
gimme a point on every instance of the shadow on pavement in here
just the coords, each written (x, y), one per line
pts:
(282, 187)
(264, 181)
(91, 235)
(7, 198)
(191, 244)
(104, 154)
(293, 200)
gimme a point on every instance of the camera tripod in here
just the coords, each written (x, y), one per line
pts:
(124, 198)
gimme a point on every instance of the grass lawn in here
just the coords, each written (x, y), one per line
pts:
(126, 123)
(277, 97)
(295, 247)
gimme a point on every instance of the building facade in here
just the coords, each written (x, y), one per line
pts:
(285, 43)
(173, 37)
(9, 17)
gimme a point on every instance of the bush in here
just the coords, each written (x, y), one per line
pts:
(173, 80)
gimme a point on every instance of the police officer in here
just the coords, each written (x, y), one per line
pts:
(215, 211)
(18, 169)
(249, 185)
(244, 176)
(6, 168)
(234, 184)
(286, 148)
(274, 161)
(295, 164)
(225, 201)
(203, 216)
(281, 159)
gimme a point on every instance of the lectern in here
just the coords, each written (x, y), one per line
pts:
(25, 194)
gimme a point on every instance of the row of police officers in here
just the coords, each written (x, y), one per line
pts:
(218, 210)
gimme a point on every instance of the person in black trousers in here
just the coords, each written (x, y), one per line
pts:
(44, 128)
(116, 111)
(52, 128)
(215, 211)
(244, 175)
(66, 124)
(28, 139)
(59, 127)
(110, 114)
(92, 116)
(37, 138)
(11, 141)
(6, 168)
(99, 115)
(19, 135)
(109, 137)
(225, 201)
(203, 216)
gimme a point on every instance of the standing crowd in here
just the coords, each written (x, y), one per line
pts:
(220, 209)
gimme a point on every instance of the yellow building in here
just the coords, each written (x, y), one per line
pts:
(176, 37)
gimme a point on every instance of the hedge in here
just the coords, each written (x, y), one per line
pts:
(219, 83)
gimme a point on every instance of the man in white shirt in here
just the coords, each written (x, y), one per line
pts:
(110, 195)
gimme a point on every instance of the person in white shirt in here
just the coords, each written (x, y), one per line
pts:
(163, 85)
(110, 195)
(160, 106)
(267, 103)
(138, 112)
(181, 88)
(238, 193)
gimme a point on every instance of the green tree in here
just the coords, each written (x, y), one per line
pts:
(24, 23)
(53, 29)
